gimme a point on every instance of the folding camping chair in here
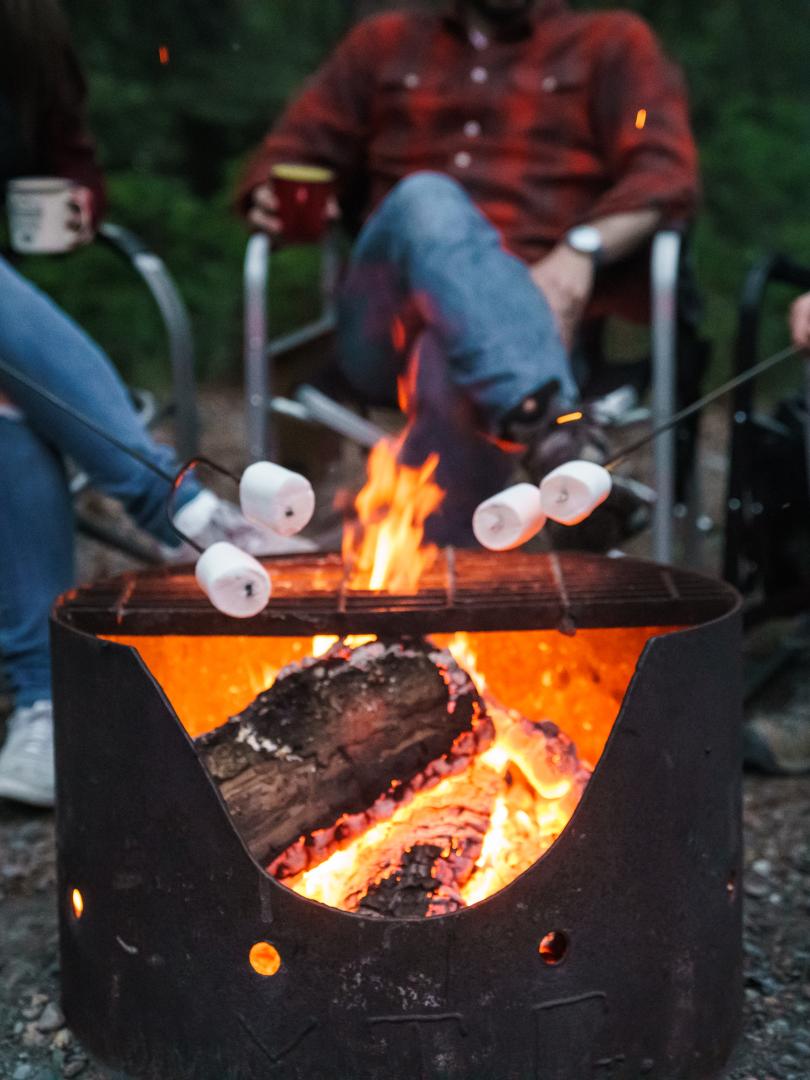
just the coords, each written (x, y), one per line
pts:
(673, 326)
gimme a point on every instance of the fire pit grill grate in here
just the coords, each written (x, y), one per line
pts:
(464, 590)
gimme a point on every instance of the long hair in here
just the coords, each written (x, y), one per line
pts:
(34, 42)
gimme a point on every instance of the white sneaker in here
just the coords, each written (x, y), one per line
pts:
(26, 760)
(207, 519)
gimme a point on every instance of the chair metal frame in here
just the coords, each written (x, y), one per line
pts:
(772, 269)
(310, 406)
(183, 404)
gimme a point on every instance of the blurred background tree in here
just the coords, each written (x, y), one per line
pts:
(181, 91)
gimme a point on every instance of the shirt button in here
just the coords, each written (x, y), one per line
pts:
(411, 80)
(479, 74)
(463, 160)
(549, 84)
(472, 129)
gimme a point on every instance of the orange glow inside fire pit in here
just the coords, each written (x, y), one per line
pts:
(490, 820)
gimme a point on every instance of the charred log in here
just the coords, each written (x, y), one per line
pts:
(326, 740)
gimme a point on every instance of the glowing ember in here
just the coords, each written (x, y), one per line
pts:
(384, 547)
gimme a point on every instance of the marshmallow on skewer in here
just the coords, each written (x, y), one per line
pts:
(235, 583)
(573, 491)
(509, 519)
(276, 498)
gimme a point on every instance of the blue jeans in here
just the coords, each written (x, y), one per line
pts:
(36, 516)
(429, 272)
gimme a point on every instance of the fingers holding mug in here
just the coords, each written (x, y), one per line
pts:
(80, 216)
(263, 213)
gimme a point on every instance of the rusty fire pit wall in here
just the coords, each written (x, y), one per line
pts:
(644, 884)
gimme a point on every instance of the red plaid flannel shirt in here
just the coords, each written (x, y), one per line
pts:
(566, 119)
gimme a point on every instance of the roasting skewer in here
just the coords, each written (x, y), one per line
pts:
(270, 496)
(573, 491)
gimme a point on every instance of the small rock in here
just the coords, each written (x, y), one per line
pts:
(32, 1037)
(74, 1067)
(756, 889)
(23, 1072)
(51, 1019)
(761, 867)
(62, 1039)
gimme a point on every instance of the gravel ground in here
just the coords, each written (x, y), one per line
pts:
(35, 1044)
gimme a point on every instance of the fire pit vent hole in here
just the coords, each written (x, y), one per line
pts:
(77, 903)
(553, 948)
(731, 885)
(265, 959)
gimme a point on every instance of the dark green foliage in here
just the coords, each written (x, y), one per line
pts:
(172, 137)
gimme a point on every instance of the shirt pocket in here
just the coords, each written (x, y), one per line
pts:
(556, 95)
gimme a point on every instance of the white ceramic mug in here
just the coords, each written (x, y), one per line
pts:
(39, 209)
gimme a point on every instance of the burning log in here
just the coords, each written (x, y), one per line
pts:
(455, 833)
(324, 742)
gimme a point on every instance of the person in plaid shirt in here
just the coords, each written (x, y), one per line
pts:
(509, 161)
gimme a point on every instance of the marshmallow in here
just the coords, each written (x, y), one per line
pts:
(510, 519)
(276, 498)
(573, 491)
(234, 582)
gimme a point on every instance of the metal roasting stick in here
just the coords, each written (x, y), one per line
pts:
(701, 403)
(172, 479)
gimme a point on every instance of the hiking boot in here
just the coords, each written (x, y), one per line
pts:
(208, 519)
(554, 433)
(26, 760)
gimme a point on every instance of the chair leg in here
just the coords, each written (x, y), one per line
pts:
(664, 281)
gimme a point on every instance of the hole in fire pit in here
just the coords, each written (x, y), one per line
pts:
(553, 948)
(731, 885)
(265, 959)
(77, 903)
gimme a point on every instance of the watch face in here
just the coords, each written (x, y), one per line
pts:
(585, 238)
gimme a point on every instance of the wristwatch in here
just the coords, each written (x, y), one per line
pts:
(587, 240)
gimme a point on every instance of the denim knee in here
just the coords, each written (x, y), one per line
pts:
(426, 206)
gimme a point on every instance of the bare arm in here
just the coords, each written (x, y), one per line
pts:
(566, 277)
(800, 322)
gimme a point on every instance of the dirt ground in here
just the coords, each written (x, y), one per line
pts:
(35, 1044)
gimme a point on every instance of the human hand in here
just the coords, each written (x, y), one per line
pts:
(80, 216)
(565, 277)
(263, 212)
(800, 322)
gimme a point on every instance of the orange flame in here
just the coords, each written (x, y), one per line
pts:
(163, 55)
(384, 547)
(641, 119)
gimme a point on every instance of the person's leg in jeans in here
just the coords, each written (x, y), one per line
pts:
(36, 565)
(38, 339)
(36, 555)
(427, 247)
(427, 244)
(443, 421)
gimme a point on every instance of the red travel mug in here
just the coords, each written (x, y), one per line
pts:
(303, 193)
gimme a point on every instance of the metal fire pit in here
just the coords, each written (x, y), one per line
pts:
(641, 889)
